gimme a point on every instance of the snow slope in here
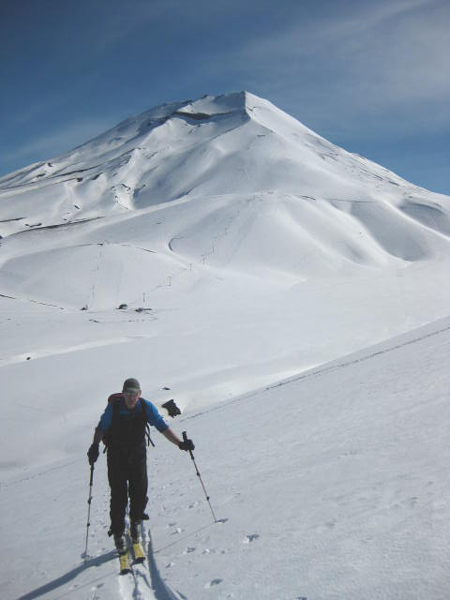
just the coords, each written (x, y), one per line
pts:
(332, 484)
(247, 251)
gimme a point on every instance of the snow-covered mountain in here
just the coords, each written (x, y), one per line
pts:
(246, 253)
(222, 209)
(229, 182)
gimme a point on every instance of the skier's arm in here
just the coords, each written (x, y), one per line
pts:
(98, 436)
(105, 423)
(93, 451)
(170, 434)
(154, 418)
(100, 430)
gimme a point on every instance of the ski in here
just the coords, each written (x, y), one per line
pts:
(125, 566)
(138, 551)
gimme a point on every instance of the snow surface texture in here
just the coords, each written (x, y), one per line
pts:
(293, 297)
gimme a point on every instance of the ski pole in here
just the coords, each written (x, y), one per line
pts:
(89, 511)
(200, 477)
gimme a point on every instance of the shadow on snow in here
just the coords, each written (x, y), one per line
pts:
(67, 577)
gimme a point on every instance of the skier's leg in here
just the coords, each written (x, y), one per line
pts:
(117, 477)
(138, 485)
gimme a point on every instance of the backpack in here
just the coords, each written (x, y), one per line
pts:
(115, 400)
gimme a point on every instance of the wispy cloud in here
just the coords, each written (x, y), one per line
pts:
(58, 141)
(361, 58)
(406, 59)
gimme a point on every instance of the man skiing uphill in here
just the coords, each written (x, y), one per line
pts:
(123, 429)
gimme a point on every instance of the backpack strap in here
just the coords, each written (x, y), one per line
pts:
(114, 399)
(147, 425)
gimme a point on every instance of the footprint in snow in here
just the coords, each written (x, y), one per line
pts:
(213, 582)
(251, 538)
(177, 531)
(215, 551)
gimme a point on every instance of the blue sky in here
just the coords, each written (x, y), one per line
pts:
(372, 77)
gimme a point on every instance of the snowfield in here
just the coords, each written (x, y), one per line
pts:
(293, 297)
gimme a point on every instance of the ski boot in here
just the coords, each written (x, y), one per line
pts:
(121, 543)
(136, 540)
(135, 531)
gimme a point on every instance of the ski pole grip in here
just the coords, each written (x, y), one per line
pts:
(185, 437)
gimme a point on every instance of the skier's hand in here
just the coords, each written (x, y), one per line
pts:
(186, 444)
(93, 453)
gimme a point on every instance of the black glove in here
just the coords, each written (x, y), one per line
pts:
(186, 444)
(93, 454)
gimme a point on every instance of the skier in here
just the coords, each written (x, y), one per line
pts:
(122, 427)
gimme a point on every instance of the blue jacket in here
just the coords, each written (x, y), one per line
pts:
(152, 415)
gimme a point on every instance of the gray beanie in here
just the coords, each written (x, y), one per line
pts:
(131, 385)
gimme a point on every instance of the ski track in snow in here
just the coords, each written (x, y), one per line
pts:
(145, 581)
(321, 371)
(161, 590)
(44, 353)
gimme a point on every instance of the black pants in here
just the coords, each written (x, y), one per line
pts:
(127, 475)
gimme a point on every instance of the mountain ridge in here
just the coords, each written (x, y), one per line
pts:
(243, 103)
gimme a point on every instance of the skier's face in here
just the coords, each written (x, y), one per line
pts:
(131, 398)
